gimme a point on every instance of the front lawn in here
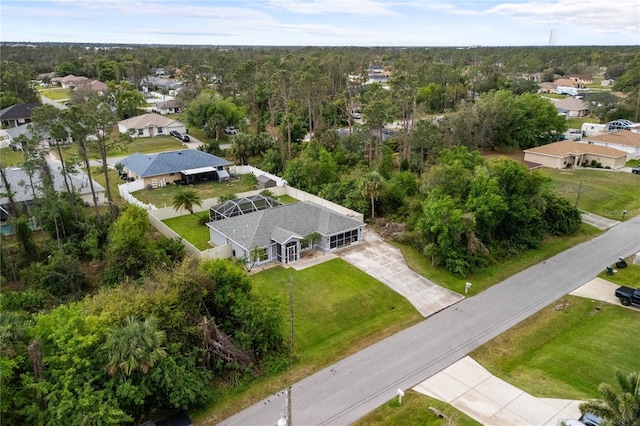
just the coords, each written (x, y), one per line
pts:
(55, 93)
(603, 192)
(338, 310)
(629, 276)
(163, 197)
(190, 228)
(566, 350)
(142, 145)
(498, 272)
(9, 157)
(415, 411)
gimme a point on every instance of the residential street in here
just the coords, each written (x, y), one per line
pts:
(349, 389)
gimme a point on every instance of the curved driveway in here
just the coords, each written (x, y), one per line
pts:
(349, 389)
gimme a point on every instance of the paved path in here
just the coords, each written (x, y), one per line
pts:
(385, 263)
(598, 221)
(356, 385)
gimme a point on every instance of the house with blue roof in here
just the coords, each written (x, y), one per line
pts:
(186, 166)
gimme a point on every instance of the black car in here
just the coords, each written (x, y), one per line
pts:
(185, 138)
(636, 170)
(175, 134)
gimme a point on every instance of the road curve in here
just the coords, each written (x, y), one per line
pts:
(356, 385)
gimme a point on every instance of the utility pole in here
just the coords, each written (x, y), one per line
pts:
(289, 421)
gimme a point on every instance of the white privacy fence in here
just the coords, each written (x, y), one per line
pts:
(157, 215)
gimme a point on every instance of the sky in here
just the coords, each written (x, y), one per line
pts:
(324, 22)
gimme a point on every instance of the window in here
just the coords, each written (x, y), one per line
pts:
(159, 130)
(140, 132)
(344, 239)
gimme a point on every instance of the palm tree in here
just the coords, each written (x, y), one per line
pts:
(371, 187)
(136, 345)
(617, 408)
(187, 200)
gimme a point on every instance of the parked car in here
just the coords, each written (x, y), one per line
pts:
(176, 134)
(230, 130)
(185, 138)
(589, 419)
(636, 170)
(356, 115)
(628, 296)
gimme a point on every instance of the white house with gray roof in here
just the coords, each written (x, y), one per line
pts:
(281, 233)
(186, 166)
(150, 125)
(26, 189)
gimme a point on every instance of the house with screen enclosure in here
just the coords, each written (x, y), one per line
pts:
(260, 229)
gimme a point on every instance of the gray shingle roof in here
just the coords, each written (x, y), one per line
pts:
(258, 229)
(20, 184)
(18, 111)
(147, 165)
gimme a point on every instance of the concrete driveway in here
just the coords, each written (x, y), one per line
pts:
(602, 290)
(386, 264)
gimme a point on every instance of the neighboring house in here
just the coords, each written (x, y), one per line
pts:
(563, 154)
(23, 190)
(94, 86)
(547, 87)
(580, 79)
(572, 107)
(170, 106)
(607, 82)
(264, 230)
(150, 125)
(187, 166)
(623, 140)
(15, 115)
(70, 81)
(10, 135)
(566, 82)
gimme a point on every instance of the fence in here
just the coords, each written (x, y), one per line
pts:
(125, 190)
(157, 215)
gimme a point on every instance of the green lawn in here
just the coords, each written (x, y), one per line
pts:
(566, 350)
(285, 199)
(355, 311)
(9, 157)
(189, 228)
(576, 122)
(633, 163)
(143, 145)
(114, 180)
(415, 411)
(55, 93)
(494, 273)
(162, 197)
(629, 276)
(605, 193)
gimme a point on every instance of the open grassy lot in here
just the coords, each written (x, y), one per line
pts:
(604, 192)
(189, 228)
(9, 157)
(566, 350)
(338, 310)
(161, 197)
(415, 411)
(576, 122)
(54, 93)
(494, 273)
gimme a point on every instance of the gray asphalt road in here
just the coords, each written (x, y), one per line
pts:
(346, 391)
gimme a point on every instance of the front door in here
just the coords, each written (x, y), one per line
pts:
(292, 253)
